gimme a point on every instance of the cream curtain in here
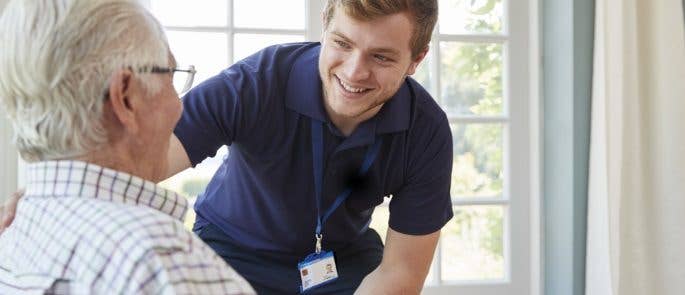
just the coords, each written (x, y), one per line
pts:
(636, 215)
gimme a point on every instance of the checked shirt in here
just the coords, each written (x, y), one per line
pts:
(84, 229)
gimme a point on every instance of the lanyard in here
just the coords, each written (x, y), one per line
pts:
(317, 151)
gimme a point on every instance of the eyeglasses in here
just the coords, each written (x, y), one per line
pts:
(182, 77)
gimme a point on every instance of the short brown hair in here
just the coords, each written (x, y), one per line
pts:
(424, 14)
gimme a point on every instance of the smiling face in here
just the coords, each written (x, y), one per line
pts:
(362, 65)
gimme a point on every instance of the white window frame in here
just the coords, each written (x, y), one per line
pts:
(521, 138)
(312, 31)
(520, 192)
(519, 135)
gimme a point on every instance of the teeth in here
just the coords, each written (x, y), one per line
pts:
(350, 88)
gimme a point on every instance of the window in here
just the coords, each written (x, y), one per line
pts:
(478, 69)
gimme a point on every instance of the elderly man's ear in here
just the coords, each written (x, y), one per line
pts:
(122, 99)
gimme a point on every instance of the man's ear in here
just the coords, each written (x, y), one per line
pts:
(121, 101)
(416, 61)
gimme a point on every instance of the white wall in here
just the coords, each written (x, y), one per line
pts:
(8, 159)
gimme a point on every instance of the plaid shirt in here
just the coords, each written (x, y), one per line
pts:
(85, 229)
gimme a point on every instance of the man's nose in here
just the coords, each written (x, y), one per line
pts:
(356, 68)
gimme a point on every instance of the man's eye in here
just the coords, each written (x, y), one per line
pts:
(341, 44)
(381, 58)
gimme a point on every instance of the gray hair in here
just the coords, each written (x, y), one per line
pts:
(55, 64)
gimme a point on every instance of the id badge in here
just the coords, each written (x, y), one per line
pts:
(317, 269)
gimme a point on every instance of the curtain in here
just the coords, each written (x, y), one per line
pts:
(636, 205)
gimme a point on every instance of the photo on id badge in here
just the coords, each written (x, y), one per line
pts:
(317, 271)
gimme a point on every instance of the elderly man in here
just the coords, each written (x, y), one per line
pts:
(87, 85)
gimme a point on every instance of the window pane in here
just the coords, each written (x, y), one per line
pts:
(269, 14)
(472, 244)
(423, 75)
(470, 16)
(478, 153)
(471, 78)
(247, 44)
(207, 51)
(184, 13)
(379, 221)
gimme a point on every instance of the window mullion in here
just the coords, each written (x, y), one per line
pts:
(474, 38)
(313, 25)
(230, 32)
(434, 67)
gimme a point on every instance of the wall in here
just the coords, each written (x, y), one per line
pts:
(567, 83)
(8, 160)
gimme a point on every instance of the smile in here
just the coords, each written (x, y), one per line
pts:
(349, 87)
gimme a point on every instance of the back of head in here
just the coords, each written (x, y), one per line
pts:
(55, 64)
(424, 14)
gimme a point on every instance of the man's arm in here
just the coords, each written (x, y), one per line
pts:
(177, 157)
(405, 264)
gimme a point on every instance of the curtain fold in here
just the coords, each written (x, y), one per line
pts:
(636, 206)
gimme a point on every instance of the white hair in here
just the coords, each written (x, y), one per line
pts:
(56, 60)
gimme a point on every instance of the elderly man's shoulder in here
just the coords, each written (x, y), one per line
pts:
(159, 253)
(138, 226)
(155, 251)
(105, 226)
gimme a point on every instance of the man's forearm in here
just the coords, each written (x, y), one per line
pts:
(405, 265)
(177, 158)
(387, 280)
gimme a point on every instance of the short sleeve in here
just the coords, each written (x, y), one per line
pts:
(224, 108)
(423, 205)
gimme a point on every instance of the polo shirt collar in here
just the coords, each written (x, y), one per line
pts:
(303, 91)
(304, 95)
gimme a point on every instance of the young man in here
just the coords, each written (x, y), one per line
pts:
(319, 134)
(87, 86)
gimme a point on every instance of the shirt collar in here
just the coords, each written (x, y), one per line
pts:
(86, 180)
(304, 95)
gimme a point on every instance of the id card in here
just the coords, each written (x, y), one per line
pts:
(317, 269)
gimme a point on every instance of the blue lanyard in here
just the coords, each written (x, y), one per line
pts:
(317, 150)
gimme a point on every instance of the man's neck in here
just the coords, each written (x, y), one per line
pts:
(120, 159)
(347, 125)
(107, 159)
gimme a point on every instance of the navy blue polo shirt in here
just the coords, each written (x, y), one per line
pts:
(263, 197)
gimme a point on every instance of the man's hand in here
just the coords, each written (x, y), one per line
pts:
(8, 209)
